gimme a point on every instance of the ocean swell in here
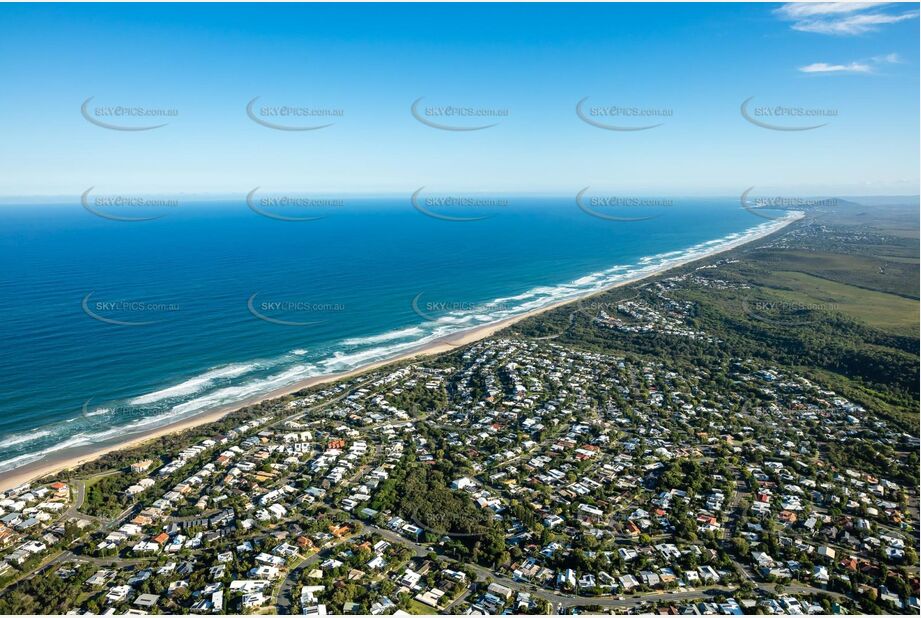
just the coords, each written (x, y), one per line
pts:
(232, 383)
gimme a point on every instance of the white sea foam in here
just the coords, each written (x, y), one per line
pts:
(341, 361)
(196, 384)
(80, 439)
(456, 319)
(449, 324)
(388, 336)
(217, 398)
(542, 296)
(588, 279)
(99, 412)
(23, 438)
(233, 394)
(17, 462)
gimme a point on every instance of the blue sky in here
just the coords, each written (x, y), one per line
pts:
(698, 62)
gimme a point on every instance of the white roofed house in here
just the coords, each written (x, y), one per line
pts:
(587, 581)
(650, 579)
(590, 514)
(566, 579)
(117, 594)
(410, 578)
(146, 601)
(309, 603)
(462, 483)
(278, 511)
(553, 520)
(252, 600)
(628, 582)
(377, 562)
(498, 589)
(708, 573)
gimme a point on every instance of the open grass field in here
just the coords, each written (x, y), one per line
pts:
(887, 312)
(893, 274)
(834, 298)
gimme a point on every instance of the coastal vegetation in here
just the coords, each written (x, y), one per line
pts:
(737, 420)
(836, 302)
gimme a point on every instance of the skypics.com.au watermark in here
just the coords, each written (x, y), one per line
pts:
(786, 117)
(122, 312)
(457, 208)
(284, 311)
(457, 117)
(132, 208)
(762, 206)
(622, 117)
(786, 313)
(617, 207)
(126, 117)
(434, 309)
(292, 117)
(291, 207)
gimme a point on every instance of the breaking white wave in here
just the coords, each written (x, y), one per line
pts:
(341, 361)
(211, 389)
(17, 462)
(388, 336)
(80, 439)
(499, 309)
(196, 384)
(22, 438)
(233, 394)
(451, 323)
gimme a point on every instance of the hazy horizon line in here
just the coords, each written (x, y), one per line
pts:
(208, 196)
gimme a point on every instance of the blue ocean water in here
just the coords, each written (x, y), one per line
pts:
(112, 327)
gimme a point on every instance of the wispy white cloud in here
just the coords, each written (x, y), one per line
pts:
(824, 67)
(858, 66)
(841, 18)
(799, 10)
(892, 58)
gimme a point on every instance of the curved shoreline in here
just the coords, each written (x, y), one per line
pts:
(80, 455)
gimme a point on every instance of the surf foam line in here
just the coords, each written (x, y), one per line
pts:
(79, 439)
(496, 310)
(196, 384)
(451, 323)
(24, 438)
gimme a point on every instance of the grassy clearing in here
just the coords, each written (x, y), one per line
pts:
(420, 609)
(884, 273)
(887, 312)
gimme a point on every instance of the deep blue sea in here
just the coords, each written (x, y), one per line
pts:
(113, 327)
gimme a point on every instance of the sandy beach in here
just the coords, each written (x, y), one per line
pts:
(38, 469)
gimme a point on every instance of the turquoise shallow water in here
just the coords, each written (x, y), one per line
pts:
(112, 327)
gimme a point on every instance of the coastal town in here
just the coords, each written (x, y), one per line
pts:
(513, 475)
(460, 308)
